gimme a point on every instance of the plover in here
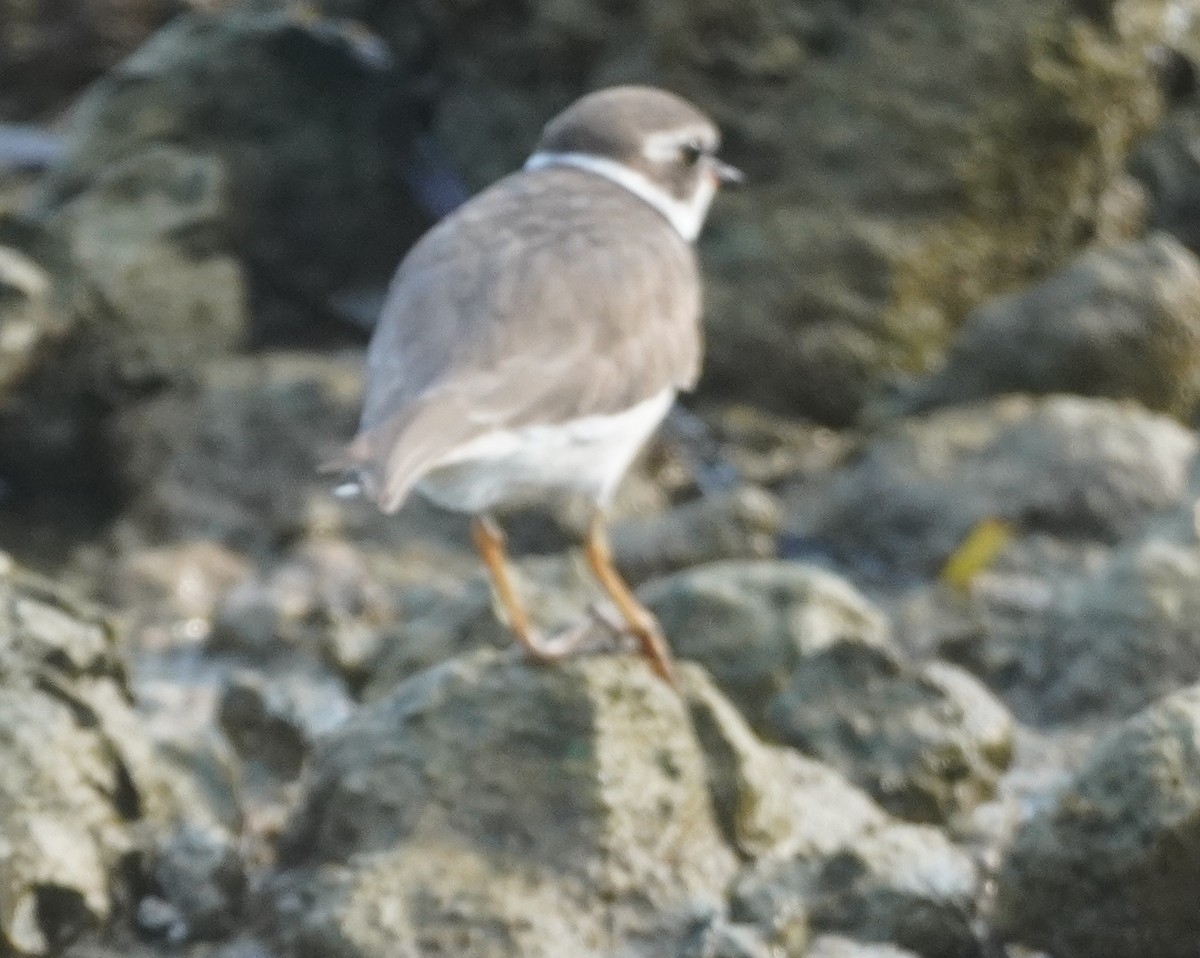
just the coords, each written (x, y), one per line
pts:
(533, 340)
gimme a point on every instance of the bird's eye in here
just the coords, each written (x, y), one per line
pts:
(690, 153)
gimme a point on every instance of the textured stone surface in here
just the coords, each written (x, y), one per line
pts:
(487, 806)
(217, 189)
(770, 801)
(1121, 322)
(83, 787)
(904, 885)
(1072, 467)
(1108, 867)
(1094, 638)
(751, 623)
(928, 742)
(48, 50)
(836, 946)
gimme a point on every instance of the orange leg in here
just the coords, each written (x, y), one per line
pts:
(489, 540)
(639, 619)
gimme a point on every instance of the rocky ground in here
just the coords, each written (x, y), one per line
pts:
(926, 539)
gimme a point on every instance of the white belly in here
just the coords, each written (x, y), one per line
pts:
(585, 457)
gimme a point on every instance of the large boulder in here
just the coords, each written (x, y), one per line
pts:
(811, 663)
(1049, 629)
(1082, 469)
(48, 51)
(491, 808)
(927, 741)
(1121, 322)
(217, 189)
(85, 791)
(1110, 867)
(1167, 164)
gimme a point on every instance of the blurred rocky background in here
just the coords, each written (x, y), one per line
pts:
(926, 536)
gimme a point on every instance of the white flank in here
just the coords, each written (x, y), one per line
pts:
(586, 456)
(687, 216)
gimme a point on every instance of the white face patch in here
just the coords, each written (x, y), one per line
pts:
(687, 216)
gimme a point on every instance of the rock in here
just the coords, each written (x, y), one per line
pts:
(741, 524)
(489, 808)
(153, 299)
(1050, 636)
(1083, 469)
(820, 853)
(1109, 867)
(751, 623)
(810, 662)
(1121, 322)
(148, 301)
(27, 317)
(81, 781)
(200, 884)
(310, 138)
(239, 155)
(929, 742)
(48, 53)
(236, 457)
(1165, 162)
(771, 802)
(273, 720)
(595, 818)
(835, 946)
(905, 885)
(722, 939)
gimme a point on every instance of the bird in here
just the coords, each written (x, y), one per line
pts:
(532, 341)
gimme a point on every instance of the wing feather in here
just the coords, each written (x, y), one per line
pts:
(486, 329)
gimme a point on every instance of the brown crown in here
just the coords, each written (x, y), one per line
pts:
(615, 122)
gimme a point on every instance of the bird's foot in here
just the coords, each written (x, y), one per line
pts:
(646, 635)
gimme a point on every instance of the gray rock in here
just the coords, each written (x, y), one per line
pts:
(273, 719)
(491, 808)
(72, 789)
(741, 524)
(721, 939)
(1108, 868)
(236, 151)
(1049, 635)
(836, 946)
(235, 457)
(152, 301)
(810, 662)
(751, 623)
(1073, 467)
(200, 879)
(820, 852)
(1166, 163)
(145, 302)
(771, 802)
(905, 885)
(309, 142)
(27, 318)
(929, 742)
(47, 54)
(1120, 322)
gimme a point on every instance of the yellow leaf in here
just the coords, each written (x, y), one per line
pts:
(976, 552)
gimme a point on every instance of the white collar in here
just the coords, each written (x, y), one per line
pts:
(686, 216)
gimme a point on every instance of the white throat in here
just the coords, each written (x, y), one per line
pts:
(687, 216)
